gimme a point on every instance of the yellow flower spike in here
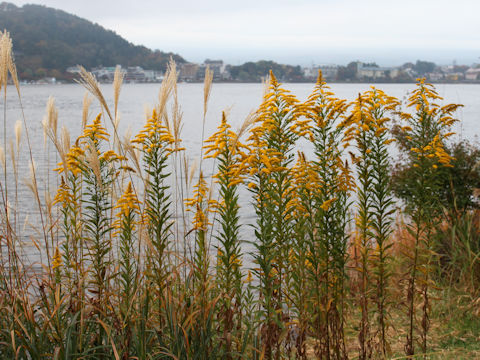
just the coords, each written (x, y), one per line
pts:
(156, 136)
(74, 157)
(127, 203)
(96, 131)
(57, 259)
(327, 204)
(249, 277)
(64, 195)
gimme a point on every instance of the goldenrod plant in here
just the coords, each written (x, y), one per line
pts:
(328, 236)
(306, 185)
(272, 142)
(227, 150)
(374, 216)
(128, 214)
(426, 129)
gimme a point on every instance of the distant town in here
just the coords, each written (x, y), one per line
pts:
(355, 71)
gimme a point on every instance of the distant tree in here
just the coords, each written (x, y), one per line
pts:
(255, 71)
(348, 72)
(408, 65)
(424, 67)
(40, 73)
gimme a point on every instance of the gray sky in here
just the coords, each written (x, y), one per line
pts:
(294, 31)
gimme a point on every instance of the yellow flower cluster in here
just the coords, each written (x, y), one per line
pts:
(431, 116)
(233, 260)
(434, 150)
(95, 131)
(202, 204)
(225, 143)
(305, 178)
(57, 259)
(64, 195)
(369, 115)
(155, 135)
(279, 103)
(73, 158)
(323, 108)
(128, 202)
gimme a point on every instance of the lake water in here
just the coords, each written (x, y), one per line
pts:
(135, 99)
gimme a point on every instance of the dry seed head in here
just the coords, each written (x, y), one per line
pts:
(13, 72)
(169, 82)
(5, 55)
(249, 121)
(177, 125)
(167, 122)
(133, 153)
(128, 134)
(89, 82)
(177, 118)
(191, 171)
(52, 117)
(65, 137)
(7, 62)
(207, 87)
(94, 161)
(87, 101)
(48, 202)
(31, 182)
(18, 133)
(117, 85)
(63, 147)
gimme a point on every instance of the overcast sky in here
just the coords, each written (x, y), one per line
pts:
(294, 31)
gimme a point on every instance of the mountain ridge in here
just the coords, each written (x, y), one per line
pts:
(46, 41)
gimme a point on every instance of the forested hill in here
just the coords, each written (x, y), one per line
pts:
(46, 41)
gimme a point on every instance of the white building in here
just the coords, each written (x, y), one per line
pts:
(472, 74)
(376, 72)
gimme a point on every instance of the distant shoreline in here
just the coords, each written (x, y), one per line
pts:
(259, 82)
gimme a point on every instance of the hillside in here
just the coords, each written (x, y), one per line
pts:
(47, 41)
